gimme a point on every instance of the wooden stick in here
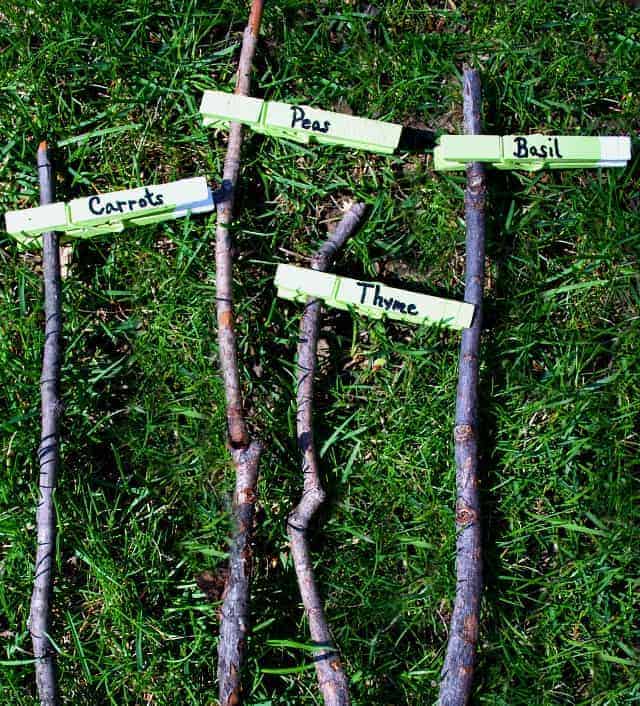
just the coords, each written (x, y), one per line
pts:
(224, 260)
(234, 621)
(48, 452)
(459, 665)
(332, 680)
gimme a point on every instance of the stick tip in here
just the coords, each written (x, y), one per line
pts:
(43, 155)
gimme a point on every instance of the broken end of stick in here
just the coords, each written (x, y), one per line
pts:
(43, 155)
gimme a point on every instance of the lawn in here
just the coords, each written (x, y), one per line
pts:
(144, 493)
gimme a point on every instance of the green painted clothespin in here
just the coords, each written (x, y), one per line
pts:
(531, 152)
(300, 123)
(112, 212)
(371, 298)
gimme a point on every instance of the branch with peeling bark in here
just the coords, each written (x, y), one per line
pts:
(48, 452)
(332, 680)
(234, 621)
(459, 665)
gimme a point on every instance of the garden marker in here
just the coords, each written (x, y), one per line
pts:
(112, 212)
(531, 152)
(371, 298)
(300, 123)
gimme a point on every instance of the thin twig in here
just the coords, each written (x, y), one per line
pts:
(48, 451)
(459, 665)
(234, 621)
(224, 260)
(331, 677)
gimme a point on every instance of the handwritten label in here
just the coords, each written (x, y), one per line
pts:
(143, 202)
(524, 150)
(106, 213)
(532, 152)
(370, 298)
(299, 119)
(386, 303)
(97, 207)
(301, 123)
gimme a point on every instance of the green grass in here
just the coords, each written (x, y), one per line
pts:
(144, 493)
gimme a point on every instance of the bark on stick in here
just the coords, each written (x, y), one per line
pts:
(48, 451)
(332, 680)
(459, 665)
(234, 621)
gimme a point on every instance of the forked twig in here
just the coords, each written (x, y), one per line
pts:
(459, 665)
(48, 451)
(234, 621)
(331, 677)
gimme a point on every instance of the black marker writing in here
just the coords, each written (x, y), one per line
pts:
(125, 206)
(386, 303)
(305, 123)
(523, 150)
(365, 286)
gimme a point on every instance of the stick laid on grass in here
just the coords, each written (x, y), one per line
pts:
(48, 452)
(459, 665)
(234, 621)
(331, 677)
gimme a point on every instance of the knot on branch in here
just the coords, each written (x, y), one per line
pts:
(465, 514)
(464, 433)
(246, 496)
